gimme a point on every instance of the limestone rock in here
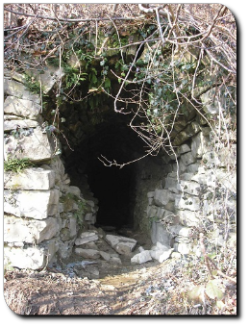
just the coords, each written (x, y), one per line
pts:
(162, 197)
(36, 146)
(176, 255)
(188, 218)
(184, 149)
(91, 245)
(186, 176)
(11, 74)
(87, 269)
(187, 203)
(193, 168)
(74, 190)
(189, 187)
(90, 218)
(122, 245)
(87, 253)
(34, 258)
(109, 257)
(29, 231)
(160, 252)
(178, 230)
(31, 204)
(188, 159)
(17, 89)
(22, 107)
(65, 248)
(183, 248)
(70, 224)
(191, 129)
(160, 234)
(210, 106)
(10, 125)
(160, 214)
(142, 257)
(171, 184)
(86, 237)
(58, 167)
(30, 179)
(165, 255)
(48, 78)
(211, 160)
(201, 144)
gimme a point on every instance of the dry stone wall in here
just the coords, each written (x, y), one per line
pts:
(174, 198)
(198, 195)
(42, 212)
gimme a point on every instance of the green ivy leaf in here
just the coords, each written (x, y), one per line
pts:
(107, 83)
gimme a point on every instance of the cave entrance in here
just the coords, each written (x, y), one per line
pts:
(114, 188)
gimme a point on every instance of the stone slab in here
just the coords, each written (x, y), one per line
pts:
(34, 258)
(36, 146)
(30, 179)
(161, 254)
(122, 245)
(86, 237)
(10, 125)
(87, 253)
(29, 231)
(17, 89)
(142, 257)
(31, 204)
(22, 107)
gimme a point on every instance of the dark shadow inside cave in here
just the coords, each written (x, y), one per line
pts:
(113, 187)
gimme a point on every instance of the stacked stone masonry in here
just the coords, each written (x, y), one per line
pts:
(46, 218)
(42, 212)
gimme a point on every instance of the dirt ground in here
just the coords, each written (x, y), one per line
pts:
(153, 290)
(132, 289)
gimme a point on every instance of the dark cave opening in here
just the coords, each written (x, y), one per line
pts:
(112, 186)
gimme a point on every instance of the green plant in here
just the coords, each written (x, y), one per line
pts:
(32, 84)
(17, 165)
(79, 214)
(73, 76)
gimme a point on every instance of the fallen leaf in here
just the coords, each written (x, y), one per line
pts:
(213, 290)
(195, 293)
